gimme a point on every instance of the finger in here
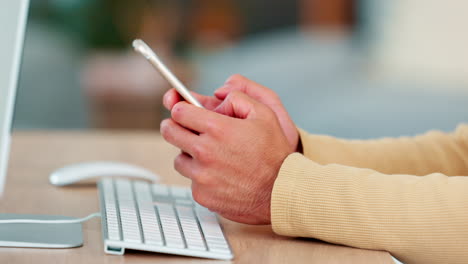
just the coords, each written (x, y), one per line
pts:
(209, 102)
(197, 119)
(240, 83)
(172, 97)
(264, 96)
(178, 136)
(238, 105)
(185, 165)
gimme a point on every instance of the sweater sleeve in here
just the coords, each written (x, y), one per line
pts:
(445, 153)
(416, 219)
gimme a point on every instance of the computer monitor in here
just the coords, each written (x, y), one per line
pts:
(13, 16)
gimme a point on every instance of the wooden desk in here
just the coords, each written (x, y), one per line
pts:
(36, 154)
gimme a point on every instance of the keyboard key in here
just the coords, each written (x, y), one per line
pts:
(179, 192)
(149, 221)
(113, 230)
(170, 226)
(160, 190)
(189, 224)
(220, 250)
(213, 233)
(183, 202)
(128, 215)
(142, 189)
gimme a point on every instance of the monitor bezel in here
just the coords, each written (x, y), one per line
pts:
(9, 87)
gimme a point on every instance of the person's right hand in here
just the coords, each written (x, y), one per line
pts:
(265, 96)
(232, 155)
(172, 97)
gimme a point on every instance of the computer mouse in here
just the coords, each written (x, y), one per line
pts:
(93, 171)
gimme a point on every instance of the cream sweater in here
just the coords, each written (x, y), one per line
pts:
(366, 194)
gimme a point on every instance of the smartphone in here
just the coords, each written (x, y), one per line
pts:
(141, 47)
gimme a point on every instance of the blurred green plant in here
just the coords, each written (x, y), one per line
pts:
(95, 24)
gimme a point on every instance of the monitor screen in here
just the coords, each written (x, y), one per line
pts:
(13, 19)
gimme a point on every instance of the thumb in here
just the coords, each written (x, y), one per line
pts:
(238, 105)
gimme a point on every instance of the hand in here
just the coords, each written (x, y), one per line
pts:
(266, 96)
(258, 92)
(172, 97)
(233, 155)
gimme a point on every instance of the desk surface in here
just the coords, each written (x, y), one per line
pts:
(36, 154)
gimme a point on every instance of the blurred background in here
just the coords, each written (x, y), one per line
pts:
(348, 68)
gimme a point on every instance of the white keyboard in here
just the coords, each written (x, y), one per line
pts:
(158, 218)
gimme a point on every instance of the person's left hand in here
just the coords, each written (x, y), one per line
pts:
(232, 155)
(257, 91)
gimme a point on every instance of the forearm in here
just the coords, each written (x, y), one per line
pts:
(432, 152)
(417, 219)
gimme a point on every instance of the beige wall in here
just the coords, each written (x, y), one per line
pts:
(425, 38)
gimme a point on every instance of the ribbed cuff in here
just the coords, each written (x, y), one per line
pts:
(283, 195)
(312, 200)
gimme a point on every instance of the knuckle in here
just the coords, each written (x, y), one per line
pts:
(235, 96)
(235, 78)
(203, 178)
(273, 95)
(206, 157)
(178, 163)
(266, 113)
(270, 115)
(213, 128)
(199, 151)
(200, 198)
